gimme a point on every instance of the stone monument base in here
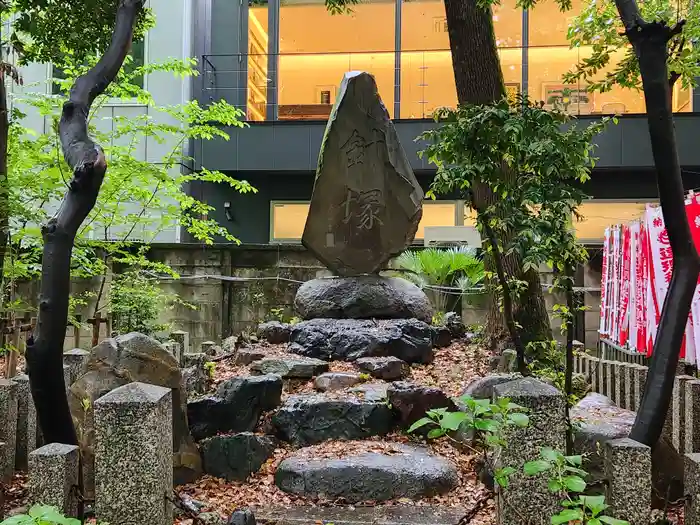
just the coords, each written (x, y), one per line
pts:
(350, 339)
(362, 297)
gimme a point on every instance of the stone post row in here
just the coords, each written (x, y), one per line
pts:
(26, 437)
(134, 455)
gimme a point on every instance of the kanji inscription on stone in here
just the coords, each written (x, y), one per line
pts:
(366, 203)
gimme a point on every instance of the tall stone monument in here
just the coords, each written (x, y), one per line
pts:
(366, 203)
(365, 209)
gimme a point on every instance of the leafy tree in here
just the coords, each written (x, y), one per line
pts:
(472, 147)
(598, 25)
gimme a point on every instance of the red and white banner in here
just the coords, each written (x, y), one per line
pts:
(636, 274)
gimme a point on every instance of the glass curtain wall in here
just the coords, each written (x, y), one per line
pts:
(316, 48)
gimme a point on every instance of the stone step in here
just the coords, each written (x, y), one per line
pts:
(400, 471)
(310, 419)
(390, 515)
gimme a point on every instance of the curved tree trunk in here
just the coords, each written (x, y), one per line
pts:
(650, 43)
(479, 80)
(87, 159)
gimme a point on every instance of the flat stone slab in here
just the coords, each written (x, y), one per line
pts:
(245, 356)
(388, 368)
(371, 391)
(349, 339)
(391, 515)
(274, 332)
(411, 473)
(366, 202)
(290, 367)
(362, 297)
(310, 419)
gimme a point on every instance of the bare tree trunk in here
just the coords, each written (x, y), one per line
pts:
(650, 42)
(4, 183)
(87, 159)
(479, 80)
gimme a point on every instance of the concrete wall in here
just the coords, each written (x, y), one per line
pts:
(234, 288)
(170, 38)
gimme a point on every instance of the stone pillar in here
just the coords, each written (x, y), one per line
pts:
(678, 413)
(67, 377)
(528, 495)
(8, 427)
(26, 423)
(609, 374)
(618, 396)
(628, 386)
(628, 471)
(175, 349)
(134, 455)
(183, 338)
(640, 383)
(691, 483)
(595, 375)
(208, 347)
(77, 361)
(53, 477)
(692, 416)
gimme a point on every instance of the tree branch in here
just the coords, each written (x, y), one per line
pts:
(87, 159)
(650, 43)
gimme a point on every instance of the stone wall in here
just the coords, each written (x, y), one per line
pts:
(235, 287)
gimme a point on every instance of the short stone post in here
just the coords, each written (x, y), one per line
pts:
(640, 383)
(8, 427)
(26, 423)
(678, 413)
(692, 416)
(618, 397)
(183, 338)
(208, 347)
(628, 471)
(609, 374)
(691, 483)
(134, 455)
(628, 386)
(175, 349)
(66, 377)
(53, 477)
(76, 360)
(528, 495)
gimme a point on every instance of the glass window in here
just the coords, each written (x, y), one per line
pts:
(256, 100)
(597, 215)
(289, 218)
(317, 48)
(138, 54)
(424, 26)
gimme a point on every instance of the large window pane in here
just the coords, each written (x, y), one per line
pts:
(548, 24)
(256, 102)
(289, 218)
(424, 26)
(318, 48)
(599, 214)
(428, 82)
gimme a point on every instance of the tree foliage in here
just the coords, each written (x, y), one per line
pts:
(46, 30)
(552, 158)
(613, 61)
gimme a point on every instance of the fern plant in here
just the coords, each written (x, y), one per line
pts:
(433, 269)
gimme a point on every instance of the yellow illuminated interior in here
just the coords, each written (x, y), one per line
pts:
(598, 215)
(288, 218)
(317, 48)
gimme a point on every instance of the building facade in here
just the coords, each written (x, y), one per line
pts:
(281, 62)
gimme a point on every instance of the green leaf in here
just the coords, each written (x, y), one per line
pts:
(532, 468)
(550, 454)
(576, 461)
(574, 483)
(420, 423)
(595, 503)
(453, 420)
(487, 425)
(612, 521)
(567, 515)
(520, 420)
(436, 433)
(18, 519)
(593, 521)
(554, 485)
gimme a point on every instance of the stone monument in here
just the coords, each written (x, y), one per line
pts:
(365, 209)
(366, 203)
